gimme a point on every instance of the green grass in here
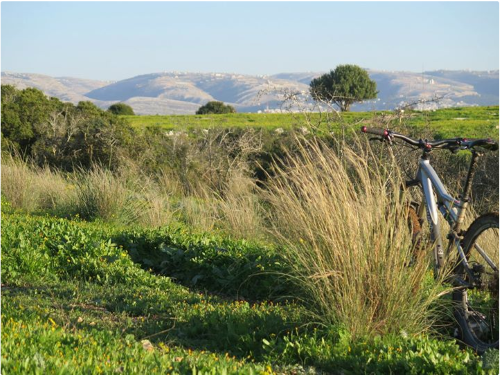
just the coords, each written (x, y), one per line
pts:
(186, 122)
(472, 122)
(270, 121)
(451, 122)
(74, 301)
(88, 328)
(67, 307)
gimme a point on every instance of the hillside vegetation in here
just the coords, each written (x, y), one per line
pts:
(277, 245)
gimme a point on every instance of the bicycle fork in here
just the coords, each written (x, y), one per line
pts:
(424, 175)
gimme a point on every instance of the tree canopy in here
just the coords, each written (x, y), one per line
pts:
(215, 107)
(345, 85)
(23, 114)
(59, 134)
(121, 109)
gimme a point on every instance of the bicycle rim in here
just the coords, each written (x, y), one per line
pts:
(477, 307)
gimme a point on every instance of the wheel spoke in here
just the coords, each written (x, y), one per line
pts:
(477, 306)
(485, 256)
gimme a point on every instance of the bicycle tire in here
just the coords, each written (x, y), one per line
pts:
(476, 308)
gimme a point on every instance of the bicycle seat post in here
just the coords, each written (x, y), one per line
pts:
(465, 197)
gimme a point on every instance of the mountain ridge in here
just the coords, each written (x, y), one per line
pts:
(184, 92)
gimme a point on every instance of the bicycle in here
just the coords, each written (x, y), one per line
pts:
(474, 275)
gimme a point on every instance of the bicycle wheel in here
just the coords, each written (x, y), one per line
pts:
(476, 307)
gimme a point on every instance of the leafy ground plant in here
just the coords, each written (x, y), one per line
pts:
(59, 317)
(63, 313)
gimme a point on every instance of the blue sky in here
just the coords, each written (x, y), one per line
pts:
(118, 40)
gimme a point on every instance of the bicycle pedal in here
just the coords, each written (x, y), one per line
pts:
(478, 268)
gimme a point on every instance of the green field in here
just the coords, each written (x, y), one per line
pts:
(166, 263)
(75, 302)
(453, 122)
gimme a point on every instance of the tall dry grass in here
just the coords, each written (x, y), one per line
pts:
(240, 208)
(342, 221)
(104, 195)
(30, 188)
(129, 197)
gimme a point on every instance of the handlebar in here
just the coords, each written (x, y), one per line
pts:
(452, 144)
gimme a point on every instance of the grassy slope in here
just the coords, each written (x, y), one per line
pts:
(452, 122)
(73, 301)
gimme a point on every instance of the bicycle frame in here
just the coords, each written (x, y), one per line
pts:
(438, 200)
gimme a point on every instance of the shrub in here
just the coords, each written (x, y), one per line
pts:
(121, 109)
(215, 108)
(23, 113)
(61, 135)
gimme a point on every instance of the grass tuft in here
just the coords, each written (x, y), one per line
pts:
(342, 220)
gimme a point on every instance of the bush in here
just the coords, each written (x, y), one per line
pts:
(23, 113)
(121, 109)
(215, 108)
(61, 135)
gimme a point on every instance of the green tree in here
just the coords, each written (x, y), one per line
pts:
(23, 113)
(62, 135)
(88, 109)
(345, 85)
(121, 109)
(215, 108)
(81, 136)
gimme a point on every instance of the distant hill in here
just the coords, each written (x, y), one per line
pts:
(184, 93)
(484, 83)
(67, 89)
(241, 91)
(456, 88)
